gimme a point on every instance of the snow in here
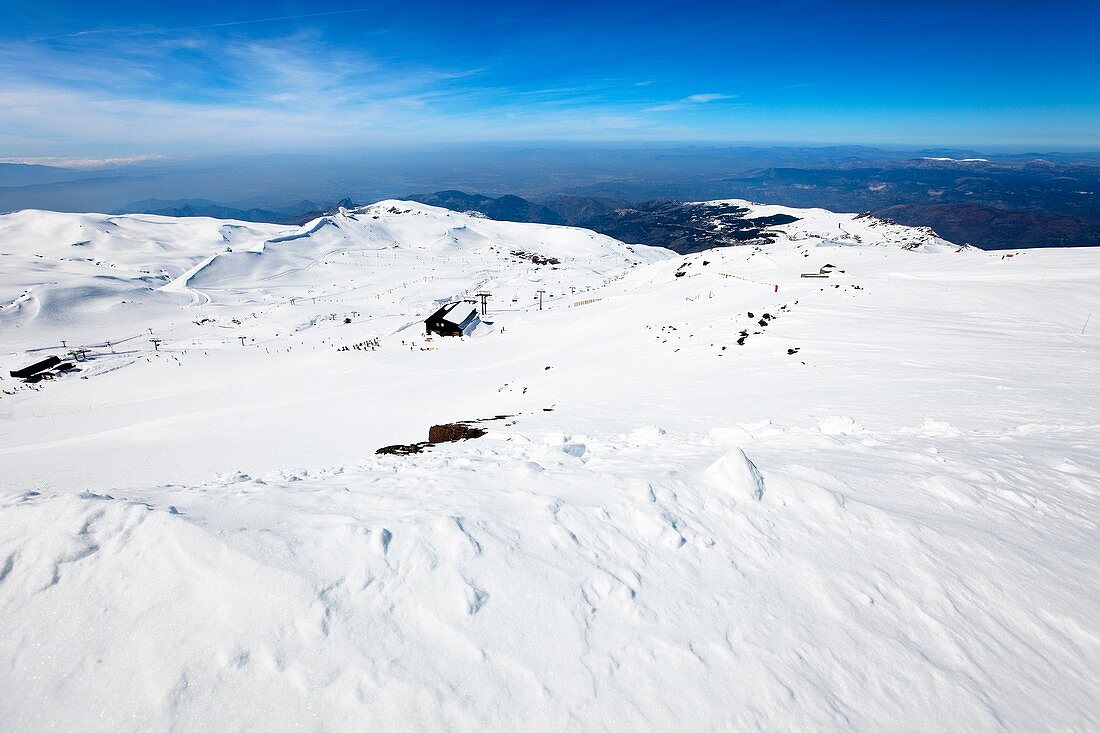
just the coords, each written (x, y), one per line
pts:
(831, 229)
(459, 313)
(892, 527)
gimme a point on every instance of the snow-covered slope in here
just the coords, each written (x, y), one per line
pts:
(87, 278)
(66, 270)
(834, 228)
(724, 495)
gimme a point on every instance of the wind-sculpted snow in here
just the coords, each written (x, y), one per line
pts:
(735, 473)
(865, 501)
(513, 583)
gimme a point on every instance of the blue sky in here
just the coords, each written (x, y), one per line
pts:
(130, 79)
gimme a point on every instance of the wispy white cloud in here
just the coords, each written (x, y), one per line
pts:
(136, 31)
(93, 98)
(705, 98)
(174, 94)
(693, 100)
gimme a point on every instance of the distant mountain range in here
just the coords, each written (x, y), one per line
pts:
(298, 213)
(504, 208)
(1003, 203)
(681, 227)
(686, 227)
(201, 207)
(994, 201)
(994, 205)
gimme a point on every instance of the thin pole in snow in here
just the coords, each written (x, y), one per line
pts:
(1086, 324)
(540, 298)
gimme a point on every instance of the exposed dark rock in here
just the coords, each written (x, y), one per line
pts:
(402, 450)
(450, 432)
(686, 227)
(446, 433)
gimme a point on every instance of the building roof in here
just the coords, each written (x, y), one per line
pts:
(460, 313)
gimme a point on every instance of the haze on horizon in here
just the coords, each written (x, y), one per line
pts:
(124, 81)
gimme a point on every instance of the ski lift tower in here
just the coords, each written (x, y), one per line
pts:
(484, 296)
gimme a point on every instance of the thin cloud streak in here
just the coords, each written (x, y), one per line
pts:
(691, 101)
(228, 24)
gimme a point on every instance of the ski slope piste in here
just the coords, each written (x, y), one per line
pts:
(846, 481)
